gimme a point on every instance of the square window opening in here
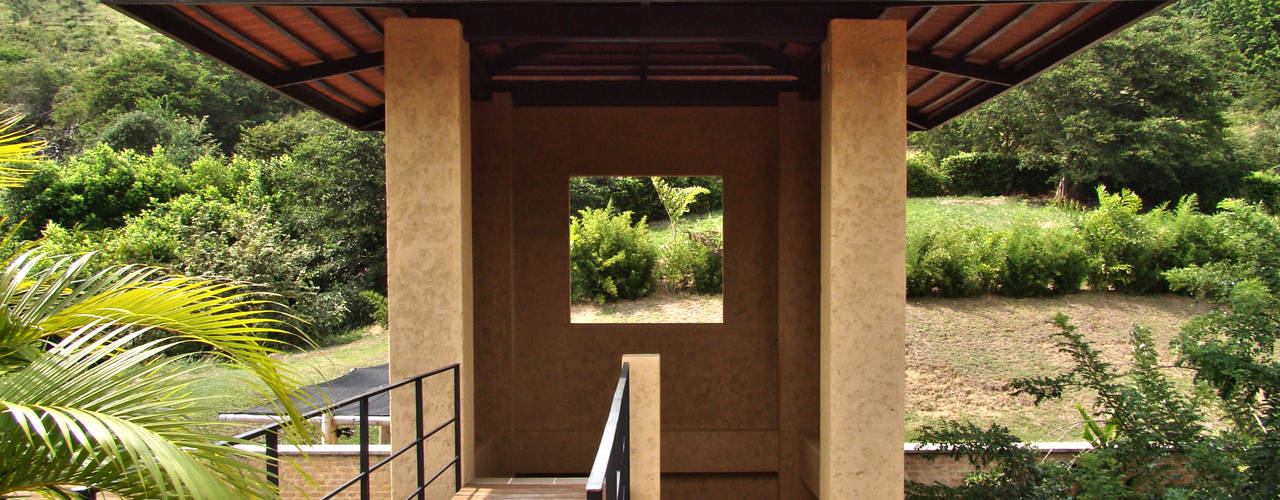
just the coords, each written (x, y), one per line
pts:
(646, 249)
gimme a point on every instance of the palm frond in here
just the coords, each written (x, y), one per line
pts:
(85, 380)
(16, 148)
(99, 408)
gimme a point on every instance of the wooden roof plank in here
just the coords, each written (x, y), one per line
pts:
(995, 35)
(957, 28)
(291, 35)
(332, 30)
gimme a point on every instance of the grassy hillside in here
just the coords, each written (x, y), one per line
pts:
(961, 353)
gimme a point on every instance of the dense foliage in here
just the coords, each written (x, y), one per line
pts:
(300, 208)
(1147, 110)
(1115, 246)
(92, 385)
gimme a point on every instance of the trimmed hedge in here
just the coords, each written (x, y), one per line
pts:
(924, 177)
(980, 174)
(1262, 187)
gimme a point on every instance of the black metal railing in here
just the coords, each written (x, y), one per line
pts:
(270, 435)
(611, 473)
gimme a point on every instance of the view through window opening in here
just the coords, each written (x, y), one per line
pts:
(646, 249)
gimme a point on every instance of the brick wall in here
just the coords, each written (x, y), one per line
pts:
(329, 467)
(947, 470)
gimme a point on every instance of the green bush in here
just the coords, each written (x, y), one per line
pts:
(93, 190)
(610, 258)
(924, 177)
(678, 261)
(708, 276)
(378, 303)
(1038, 261)
(1262, 187)
(954, 261)
(1130, 251)
(980, 174)
(637, 195)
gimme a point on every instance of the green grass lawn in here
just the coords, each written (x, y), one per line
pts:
(228, 390)
(993, 212)
(962, 352)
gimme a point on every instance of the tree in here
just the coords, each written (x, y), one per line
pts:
(87, 393)
(1144, 110)
(187, 84)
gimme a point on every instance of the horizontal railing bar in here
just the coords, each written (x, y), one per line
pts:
(595, 482)
(351, 400)
(452, 463)
(410, 446)
(457, 461)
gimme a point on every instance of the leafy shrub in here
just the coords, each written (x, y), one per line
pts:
(678, 262)
(94, 190)
(1262, 187)
(638, 196)
(980, 174)
(183, 138)
(378, 303)
(1040, 261)
(708, 276)
(610, 258)
(1152, 424)
(1247, 247)
(954, 261)
(1130, 254)
(924, 177)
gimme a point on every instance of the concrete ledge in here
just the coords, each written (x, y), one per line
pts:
(323, 449)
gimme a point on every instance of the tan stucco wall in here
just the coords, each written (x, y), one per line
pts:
(863, 237)
(550, 380)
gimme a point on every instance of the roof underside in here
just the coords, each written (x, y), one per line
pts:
(328, 55)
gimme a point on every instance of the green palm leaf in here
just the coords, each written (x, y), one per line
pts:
(88, 395)
(15, 148)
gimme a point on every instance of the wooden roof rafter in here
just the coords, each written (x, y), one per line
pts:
(328, 55)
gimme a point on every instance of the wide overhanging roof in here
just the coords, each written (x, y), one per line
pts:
(328, 55)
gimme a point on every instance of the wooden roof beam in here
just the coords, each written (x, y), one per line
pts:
(961, 68)
(325, 69)
(768, 56)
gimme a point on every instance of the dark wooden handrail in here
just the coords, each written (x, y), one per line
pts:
(610, 477)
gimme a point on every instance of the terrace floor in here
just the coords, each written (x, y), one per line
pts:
(536, 488)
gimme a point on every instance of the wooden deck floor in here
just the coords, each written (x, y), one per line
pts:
(535, 488)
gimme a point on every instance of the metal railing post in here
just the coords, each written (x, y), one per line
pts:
(417, 425)
(364, 448)
(272, 444)
(457, 428)
(270, 433)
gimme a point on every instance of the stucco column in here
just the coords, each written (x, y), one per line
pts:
(429, 283)
(645, 374)
(863, 259)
